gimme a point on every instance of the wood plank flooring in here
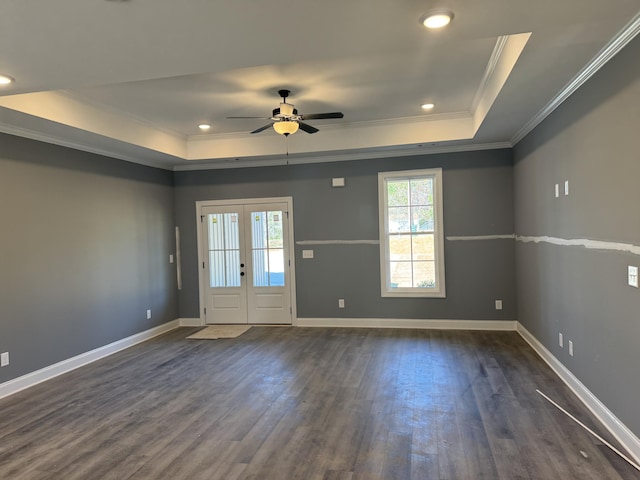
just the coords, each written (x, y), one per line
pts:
(316, 404)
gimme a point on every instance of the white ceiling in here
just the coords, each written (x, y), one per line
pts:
(133, 79)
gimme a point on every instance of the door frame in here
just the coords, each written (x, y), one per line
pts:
(201, 247)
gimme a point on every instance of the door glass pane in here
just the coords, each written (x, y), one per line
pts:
(260, 268)
(275, 230)
(216, 275)
(224, 250)
(267, 248)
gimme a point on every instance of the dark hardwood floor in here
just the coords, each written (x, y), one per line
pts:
(295, 403)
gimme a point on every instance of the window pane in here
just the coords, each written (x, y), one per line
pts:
(399, 247)
(399, 219)
(400, 274)
(275, 229)
(398, 193)
(423, 247)
(422, 191)
(422, 219)
(424, 275)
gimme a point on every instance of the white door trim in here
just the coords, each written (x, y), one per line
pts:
(201, 254)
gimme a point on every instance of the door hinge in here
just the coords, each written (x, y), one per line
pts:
(289, 262)
(287, 215)
(202, 264)
(205, 310)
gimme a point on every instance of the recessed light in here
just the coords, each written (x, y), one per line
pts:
(437, 18)
(427, 106)
(204, 127)
(5, 80)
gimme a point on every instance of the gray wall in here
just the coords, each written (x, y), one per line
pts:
(592, 141)
(478, 200)
(83, 252)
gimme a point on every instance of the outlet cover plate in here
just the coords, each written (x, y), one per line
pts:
(4, 359)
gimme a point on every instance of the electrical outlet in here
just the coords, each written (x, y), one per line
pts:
(148, 314)
(570, 348)
(4, 359)
(341, 303)
(307, 253)
(171, 258)
(560, 340)
(498, 304)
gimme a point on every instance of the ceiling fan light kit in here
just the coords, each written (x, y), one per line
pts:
(286, 127)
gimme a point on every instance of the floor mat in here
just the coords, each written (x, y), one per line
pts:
(220, 331)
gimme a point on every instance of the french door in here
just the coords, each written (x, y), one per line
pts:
(246, 267)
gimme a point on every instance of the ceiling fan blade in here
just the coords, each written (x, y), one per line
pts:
(307, 128)
(262, 118)
(262, 128)
(321, 116)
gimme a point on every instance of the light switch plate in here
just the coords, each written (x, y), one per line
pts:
(307, 253)
(566, 187)
(633, 276)
(498, 304)
(4, 359)
(557, 190)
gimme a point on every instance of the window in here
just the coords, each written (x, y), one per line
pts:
(411, 233)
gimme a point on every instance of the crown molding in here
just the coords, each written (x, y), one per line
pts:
(489, 71)
(610, 50)
(75, 145)
(344, 157)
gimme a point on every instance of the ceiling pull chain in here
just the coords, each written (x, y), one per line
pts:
(286, 146)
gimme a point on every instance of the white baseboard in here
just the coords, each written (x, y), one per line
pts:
(47, 373)
(618, 429)
(190, 322)
(509, 325)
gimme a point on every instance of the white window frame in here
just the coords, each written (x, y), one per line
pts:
(387, 291)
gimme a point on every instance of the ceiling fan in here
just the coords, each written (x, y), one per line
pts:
(286, 120)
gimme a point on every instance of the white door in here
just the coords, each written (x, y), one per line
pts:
(246, 264)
